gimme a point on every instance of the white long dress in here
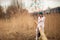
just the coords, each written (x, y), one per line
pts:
(41, 23)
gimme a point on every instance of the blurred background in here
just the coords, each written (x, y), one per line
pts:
(17, 19)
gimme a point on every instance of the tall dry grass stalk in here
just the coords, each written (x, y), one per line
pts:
(43, 35)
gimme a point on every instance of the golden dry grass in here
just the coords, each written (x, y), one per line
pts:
(52, 26)
(18, 27)
(21, 26)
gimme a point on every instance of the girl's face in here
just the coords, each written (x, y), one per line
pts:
(41, 15)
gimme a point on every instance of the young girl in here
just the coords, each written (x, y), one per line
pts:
(40, 25)
(41, 20)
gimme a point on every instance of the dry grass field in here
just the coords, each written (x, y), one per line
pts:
(52, 26)
(21, 26)
(17, 27)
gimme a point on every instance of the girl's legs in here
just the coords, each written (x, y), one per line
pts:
(43, 27)
(37, 31)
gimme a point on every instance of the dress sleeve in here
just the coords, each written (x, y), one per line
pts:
(43, 18)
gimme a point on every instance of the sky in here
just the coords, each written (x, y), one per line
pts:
(50, 3)
(43, 4)
(30, 5)
(5, 2)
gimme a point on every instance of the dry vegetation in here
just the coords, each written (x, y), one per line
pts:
(52, 26)
(17, 25)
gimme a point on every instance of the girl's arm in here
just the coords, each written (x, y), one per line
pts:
(35, 22)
